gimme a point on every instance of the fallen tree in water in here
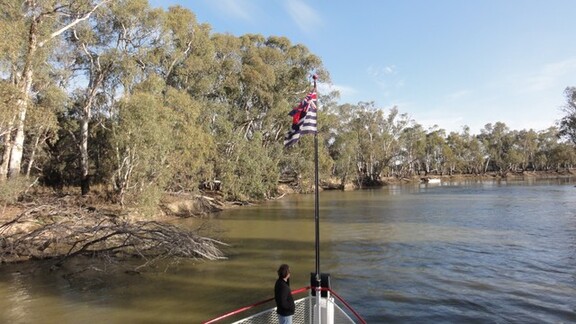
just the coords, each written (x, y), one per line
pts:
(59, 232)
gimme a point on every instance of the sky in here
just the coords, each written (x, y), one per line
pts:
(444, 63)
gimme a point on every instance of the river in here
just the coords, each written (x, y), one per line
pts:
(457, 252)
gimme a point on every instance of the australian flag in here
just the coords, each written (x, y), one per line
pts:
(303, 119)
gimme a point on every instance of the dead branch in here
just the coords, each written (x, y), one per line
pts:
(63, 232)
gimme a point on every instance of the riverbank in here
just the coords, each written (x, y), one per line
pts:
(567, 173)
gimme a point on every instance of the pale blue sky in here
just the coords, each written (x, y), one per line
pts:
(443, 62)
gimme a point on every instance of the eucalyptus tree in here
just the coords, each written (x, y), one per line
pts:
(527, 147)
(552, 153)
(367, 126)
(184, 53)
(513, 153)
(291, 65)
(234, 113)
(183, 56)
(344, 144)
(460, 152)
(498, 142)
(449, 160)
(93, 64)
(568, 122)
(478, 156)
(562, 157)
(471, 152)
(413, 142)
(272, 79)
(366, 141)
(385, 131)
(357, 141)
(392, 130)
(43, 126)
(173, 65)
(434, 151)
(258, 81)
(142, 146)
(12, 26)
(38, 24)
(547, 141)
(8, 95)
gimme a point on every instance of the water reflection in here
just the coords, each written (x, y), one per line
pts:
(18, 299)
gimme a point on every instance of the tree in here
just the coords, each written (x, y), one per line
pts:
(568, 122)
(527, 143)
(495, 139)
(253, 91)
(435, 143)
(143, 145)
(42, 124)
(413, 141)
(109, 52)
(547, 141)
(343, 145)
(43, 21)
(8, 95)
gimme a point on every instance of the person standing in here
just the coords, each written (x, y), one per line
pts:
(283, 295)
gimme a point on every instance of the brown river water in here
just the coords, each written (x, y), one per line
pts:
(460, 252)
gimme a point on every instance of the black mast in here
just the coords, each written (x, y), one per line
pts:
(316, 203)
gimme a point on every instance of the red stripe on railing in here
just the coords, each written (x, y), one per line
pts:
(245, 308)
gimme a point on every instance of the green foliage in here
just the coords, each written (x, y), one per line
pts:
(143, 143)
(568, 122)
(365, 142)
(499, 142)
(248, 172)
(299, 161)
(192, 146)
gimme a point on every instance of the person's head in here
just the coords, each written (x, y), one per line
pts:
(284, 271)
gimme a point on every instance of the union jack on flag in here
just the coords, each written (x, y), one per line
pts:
(303, 119)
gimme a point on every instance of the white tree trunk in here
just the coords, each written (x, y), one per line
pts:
(17, 146)
(84, 150)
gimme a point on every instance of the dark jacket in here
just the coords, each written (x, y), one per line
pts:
(283, 296)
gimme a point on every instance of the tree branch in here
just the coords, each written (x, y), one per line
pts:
(72, 24)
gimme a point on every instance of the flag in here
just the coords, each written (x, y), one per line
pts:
(303, 119)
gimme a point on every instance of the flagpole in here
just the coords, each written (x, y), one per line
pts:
(316, 201)
(317, 220)
(304, 122)
(316, 206)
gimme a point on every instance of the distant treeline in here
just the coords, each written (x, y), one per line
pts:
(143, 101)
